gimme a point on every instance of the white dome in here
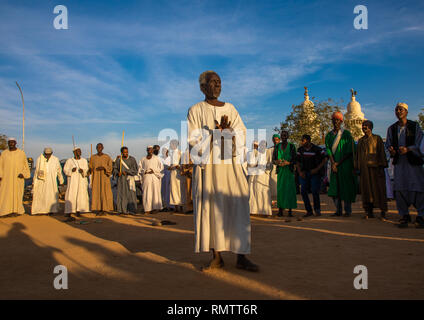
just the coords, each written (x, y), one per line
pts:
(354, 110)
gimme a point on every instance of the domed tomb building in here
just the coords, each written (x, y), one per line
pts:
(354, 117)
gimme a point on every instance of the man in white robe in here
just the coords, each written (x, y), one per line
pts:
(273, 174)
(151, 169)
(260, 165)
(220, 189)
(45, 199)
(76, 197)
(177, 194)
(13, 170)
(165, 182)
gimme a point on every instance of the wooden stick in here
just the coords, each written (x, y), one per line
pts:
(120, 160)
(23, 117)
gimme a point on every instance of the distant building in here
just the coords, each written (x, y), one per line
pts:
(310, 117)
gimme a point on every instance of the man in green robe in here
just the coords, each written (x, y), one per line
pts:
(284, 158)
(340, 148)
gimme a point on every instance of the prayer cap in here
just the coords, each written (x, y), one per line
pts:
(276, 136)
(77, 148)
(337, 115)
(148, 147)
(48, 150)
(403, 105)
(11, 139)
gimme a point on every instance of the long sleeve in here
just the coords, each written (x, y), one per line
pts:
(133, 167)
(25, 168)
(1, 166)
(381, 154)
(67, 168)
(389, 139)
(109, 166)
(158, 171)
(415, 148)
(59, 172)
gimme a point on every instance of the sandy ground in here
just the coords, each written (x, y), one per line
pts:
(125, 257)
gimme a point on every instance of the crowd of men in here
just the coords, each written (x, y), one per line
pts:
(222, 193)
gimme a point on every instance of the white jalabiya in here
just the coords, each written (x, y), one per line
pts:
(152, 197)
(220, 189)
(273, 176)
(176, 180)
(259, 178)
(76, 197)
(165, 182)
(45, 197)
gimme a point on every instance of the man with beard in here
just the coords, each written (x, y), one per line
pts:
(126, 169)
(13, 170)
(404, 140)
(45, 193)
(101, 167)
(220, 190)
(340, 149)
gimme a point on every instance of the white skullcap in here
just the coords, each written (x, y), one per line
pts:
(11, 139)
(48, 150)
(148, 147)
(403, 105)
(77, 148)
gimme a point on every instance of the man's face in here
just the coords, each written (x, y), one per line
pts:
(99, 148)
(11, 144)
(212, 89)
(156, 150)
(284, 136)
(366, 129)
(125, 153)
(304, 142)
(47, 155)
(255, 146)
(276, 140)
(337, 123)
(401, 112)
(150, 151)
(77, 153)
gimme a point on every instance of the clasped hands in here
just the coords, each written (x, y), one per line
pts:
(282, 163)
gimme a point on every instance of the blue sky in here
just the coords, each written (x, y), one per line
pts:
(134, 65)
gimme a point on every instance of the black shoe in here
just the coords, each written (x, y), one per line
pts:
(383, 215)
(280, 212)
(336, 214)
(290, 214)
(403, 223)
(318, 214)
(308, 214)
(406, 217)
(347, 215)
(419, 222)
(246, 264)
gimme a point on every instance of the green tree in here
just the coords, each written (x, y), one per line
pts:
(421, 118)
(297, 122)
(3, 142)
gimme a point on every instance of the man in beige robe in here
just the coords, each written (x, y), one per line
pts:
(371, 161)
(220, 189)
(13, 170)
(101, 169)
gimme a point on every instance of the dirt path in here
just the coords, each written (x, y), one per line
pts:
(124, 257)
